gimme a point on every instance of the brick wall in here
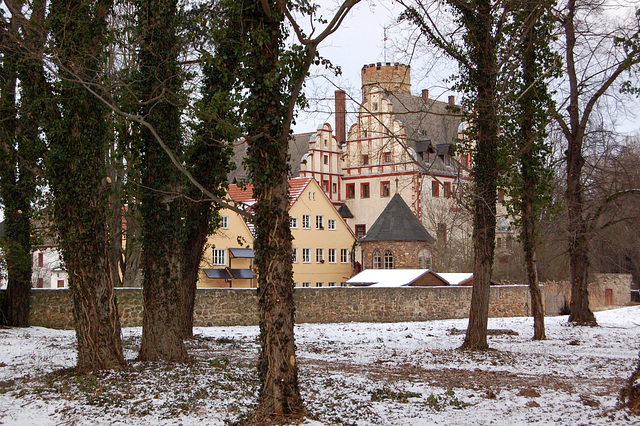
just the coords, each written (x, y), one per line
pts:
(392, 77)
(53, 308)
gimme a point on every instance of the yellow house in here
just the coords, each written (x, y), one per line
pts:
(322, 241)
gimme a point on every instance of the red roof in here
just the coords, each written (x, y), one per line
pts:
(245, 194)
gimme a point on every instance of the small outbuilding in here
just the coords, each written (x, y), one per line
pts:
(397, 278)
(397, 240)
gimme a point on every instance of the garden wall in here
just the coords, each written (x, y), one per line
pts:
(606, 291)
(53, 308)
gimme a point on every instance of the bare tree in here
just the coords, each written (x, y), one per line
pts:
(591, 74)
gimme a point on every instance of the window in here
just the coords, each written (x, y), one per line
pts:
(326, 159)
(325, 185)
(344, 255)
(331, 224)
(351, 190)
(306, 284)
(385, 189)
(60, 283)
(306, 255)
(294, 256)
(364, 190)
(499, 243)
(361, 230)
(334, 187)
(447, 189)
(343, 284)
(319, 222)
(365, 160)
(388, 260)
(435, 189)
(332, 255)
(40, 260)
(332, 284)
(375, 106)
(387, 157)
(40, 282)
(224, 224)
(219, 256)
(376, 260)
(306, 221)
(312, 196)
(424, 259)
(293, 222)
(319, 255)
(318, 284)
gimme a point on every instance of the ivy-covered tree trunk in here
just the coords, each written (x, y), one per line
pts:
(529, 241)
(209, 156)
(161, 202)
(530, 190)
(77, 172)
(479, 22)
(268, 141)
(21, 148)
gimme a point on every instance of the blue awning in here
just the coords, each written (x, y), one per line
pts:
(242, 253)
(242, 274)
(220, 274)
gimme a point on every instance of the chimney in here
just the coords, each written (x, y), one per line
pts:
(452, 100)
(341, 116)
(425, 95)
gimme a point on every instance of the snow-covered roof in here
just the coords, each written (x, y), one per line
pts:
(455, 278)
(386, 277)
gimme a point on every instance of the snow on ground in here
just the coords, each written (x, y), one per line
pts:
(350, 374)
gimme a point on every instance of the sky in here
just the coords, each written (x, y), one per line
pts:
(360, 41)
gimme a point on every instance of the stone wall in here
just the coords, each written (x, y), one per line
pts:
(219, 307)
(618, 286)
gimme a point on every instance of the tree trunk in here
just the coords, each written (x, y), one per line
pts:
(279, 398)
(479, 23)
(77, 172)
(533, 105)
(279, 392)
(574, 133)
(161, 205)
(198, 218)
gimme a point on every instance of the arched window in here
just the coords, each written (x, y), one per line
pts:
(377, 259)
(424, 259)
(388, 260)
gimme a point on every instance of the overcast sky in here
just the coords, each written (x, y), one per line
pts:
(360, 41)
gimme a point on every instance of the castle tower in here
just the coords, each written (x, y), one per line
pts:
(391, 77)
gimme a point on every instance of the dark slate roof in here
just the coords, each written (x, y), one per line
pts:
(431, 120)
(345, 212)
(298, 146)
(430, 126)
(397, 223)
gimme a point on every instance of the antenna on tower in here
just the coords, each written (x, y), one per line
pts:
(385, 43)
